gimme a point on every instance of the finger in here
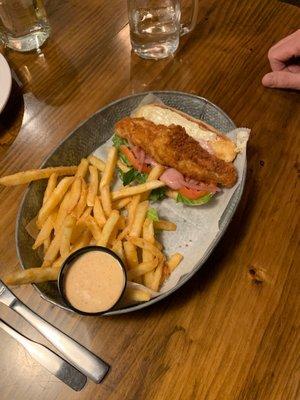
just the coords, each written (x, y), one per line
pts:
(279, 54)
(293, 68)
(282, 79)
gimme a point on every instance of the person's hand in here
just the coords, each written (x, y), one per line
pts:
(283, 60)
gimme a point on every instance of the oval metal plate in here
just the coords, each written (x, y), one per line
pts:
(86, 138)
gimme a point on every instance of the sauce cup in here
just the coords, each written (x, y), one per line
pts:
(69, 263)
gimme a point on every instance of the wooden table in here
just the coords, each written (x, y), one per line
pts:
(231, 332)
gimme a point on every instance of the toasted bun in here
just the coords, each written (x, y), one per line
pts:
(207, 136)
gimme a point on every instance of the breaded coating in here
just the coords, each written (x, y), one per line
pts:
(171, 146)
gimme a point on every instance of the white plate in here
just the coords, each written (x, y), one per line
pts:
(5, 82)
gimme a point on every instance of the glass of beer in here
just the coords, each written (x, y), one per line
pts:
(23, 24)
(155, 26)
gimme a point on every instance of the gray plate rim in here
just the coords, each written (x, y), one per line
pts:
(229, 211)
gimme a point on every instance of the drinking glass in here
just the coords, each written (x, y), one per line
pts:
(155, 26)
(23, 24)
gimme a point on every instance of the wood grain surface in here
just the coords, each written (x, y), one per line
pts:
(232, 332)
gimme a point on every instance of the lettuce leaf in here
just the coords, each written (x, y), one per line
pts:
(152, 214)
(118, 141)
(197, 202)
(124, 159)
(158, 194)
(132, 176)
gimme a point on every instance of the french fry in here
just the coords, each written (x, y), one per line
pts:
(97, 162)
(32, 275)
(164, 225)
(157, 274)
(138, 189)
(62, 211)
(58, 262)
(144, 244)
(158, 245)
(139, 218)
(51, 185)
(136, 295)
(86, 213)
(118, 249)
(130, 255)
(93, 227)
(80, 207)
(52, 251)
(80, 226)
(45, 231)
(165, 274)
(172, 194)
(148, 231)
(113, 235)
(93, 186)
(98, 212)
(119, 204)
(74, 194)
(108, 228)
(174, 261)
(82, 168)
(142, 269)
(132, 209)
(106, 200)
(46, 244)
(122, 222)
(128, 209)
(154, 174)
(78, 231)
(53, 200)
(65, 239)
(83, 241)
(123, 233)
(122, 166)
(148, 234)
(21, 178)
(110, 167)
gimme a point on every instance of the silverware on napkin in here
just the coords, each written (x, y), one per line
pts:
(80, 357)
(51, 361)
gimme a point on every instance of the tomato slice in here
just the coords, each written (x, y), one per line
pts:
(192, 193)
(133, 161)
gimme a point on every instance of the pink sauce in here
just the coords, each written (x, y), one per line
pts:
(94, 282)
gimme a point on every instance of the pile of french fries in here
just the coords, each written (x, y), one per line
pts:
(80, 208)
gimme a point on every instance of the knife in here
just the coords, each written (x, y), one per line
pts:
(51, 361)
(80, 357)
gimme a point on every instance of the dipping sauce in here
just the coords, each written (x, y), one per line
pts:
(94, 282)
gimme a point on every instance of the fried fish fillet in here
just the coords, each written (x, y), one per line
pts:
(171, 146)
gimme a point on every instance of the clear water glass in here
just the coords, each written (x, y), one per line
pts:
(23, 24)
(155, 26)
